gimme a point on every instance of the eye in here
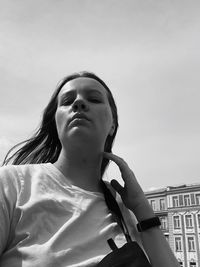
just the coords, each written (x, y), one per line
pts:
(67, 101)
(94, 100)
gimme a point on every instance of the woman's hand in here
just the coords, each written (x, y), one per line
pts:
(132, 194)
(153, 240)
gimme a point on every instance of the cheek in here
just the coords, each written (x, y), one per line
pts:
(59, 119)
(107, 119)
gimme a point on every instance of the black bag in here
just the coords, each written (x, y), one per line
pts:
(130, 254)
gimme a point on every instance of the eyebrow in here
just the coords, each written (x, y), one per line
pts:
(88, 90)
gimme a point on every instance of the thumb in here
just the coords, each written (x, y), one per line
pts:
(117, 186)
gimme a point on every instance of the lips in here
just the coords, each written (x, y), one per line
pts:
(80, 116)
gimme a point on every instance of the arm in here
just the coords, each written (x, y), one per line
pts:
(8, 197)
(4, 226)
(133, 197)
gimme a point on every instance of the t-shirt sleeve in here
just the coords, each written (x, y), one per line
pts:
(8, 198)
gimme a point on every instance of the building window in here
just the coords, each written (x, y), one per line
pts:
(193, 264)
(164, 224)
(178, 244)
(188, 221)
(187, 200)
(198, 219)
(176, 222)
(153, 204)
(162, 204)
(175, 201)
(181, 263)
(192, 198)
(198, 199)
(191, 245)
(181, 200)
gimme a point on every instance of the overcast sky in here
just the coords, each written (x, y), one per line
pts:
(146, 51)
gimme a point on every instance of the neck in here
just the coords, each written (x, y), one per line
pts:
(81, 167)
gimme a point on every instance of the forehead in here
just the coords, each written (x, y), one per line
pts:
(83, 84)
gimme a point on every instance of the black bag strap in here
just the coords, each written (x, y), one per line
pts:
(114, 208)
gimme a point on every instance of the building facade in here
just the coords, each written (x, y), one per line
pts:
(178, 208)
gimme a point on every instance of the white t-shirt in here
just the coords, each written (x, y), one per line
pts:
(47, 222)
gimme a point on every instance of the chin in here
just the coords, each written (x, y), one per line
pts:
(78, 135)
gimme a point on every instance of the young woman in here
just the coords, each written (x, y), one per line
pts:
(55, 210)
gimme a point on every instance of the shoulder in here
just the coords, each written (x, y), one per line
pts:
(9, 176)
(14, 176)
(17, 182)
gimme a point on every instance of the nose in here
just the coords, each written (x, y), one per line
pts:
(80, 105)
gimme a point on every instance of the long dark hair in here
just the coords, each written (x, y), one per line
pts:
(44, 146)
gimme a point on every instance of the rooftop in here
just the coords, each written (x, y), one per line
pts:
(173, 188)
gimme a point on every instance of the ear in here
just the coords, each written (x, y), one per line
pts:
(112, 129)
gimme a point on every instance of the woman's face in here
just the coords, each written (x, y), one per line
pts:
(83, 112)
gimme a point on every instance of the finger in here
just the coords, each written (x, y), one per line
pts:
(117, 186)
(126, 172)
(119, 161)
